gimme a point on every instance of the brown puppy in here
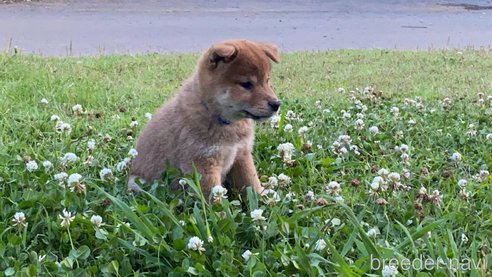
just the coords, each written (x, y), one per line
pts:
(210, 122)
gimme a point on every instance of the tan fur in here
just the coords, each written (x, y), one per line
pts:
(208, 123)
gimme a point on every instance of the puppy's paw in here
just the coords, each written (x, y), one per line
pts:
(133, 186)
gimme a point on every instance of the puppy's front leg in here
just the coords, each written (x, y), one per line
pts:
(211, 176)
(243, 172)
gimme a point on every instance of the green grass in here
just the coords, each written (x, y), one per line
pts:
(148, 234)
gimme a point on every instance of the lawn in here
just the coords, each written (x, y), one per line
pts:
(378, 163)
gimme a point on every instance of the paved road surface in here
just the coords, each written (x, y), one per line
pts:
(54, 27)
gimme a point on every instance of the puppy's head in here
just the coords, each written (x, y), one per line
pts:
(234, 77)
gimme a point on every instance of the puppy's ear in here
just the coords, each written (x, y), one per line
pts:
(271, 51)
(221, 53)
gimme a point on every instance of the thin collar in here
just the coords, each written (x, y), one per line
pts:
(220, 119)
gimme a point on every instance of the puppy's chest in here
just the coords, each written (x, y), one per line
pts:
(224, 154)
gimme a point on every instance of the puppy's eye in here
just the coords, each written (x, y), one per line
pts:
(246, 85)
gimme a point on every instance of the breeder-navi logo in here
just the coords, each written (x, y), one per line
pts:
(427, 263)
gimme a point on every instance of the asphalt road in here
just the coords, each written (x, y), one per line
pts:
(91, 27)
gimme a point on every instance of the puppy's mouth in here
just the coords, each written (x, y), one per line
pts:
(254, 116)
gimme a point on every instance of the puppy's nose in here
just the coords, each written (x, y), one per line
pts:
(274, 105)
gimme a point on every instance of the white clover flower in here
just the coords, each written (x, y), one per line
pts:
(395, 111)
(378, 179)
(106, 174)
(107, 138)
(303, 130)
(368, 89)
(456, 156)
(333, 188)
(68, 158)
(341, 90)
(75, 183)
(272, 182)
(91, 144)
(375, 186)
(89, 160)
(435, 197)
(218, 193)
(373, 232)
(482, 175)
(133, 124)
(464, 238)
(62, 127)
(383, 172)
(77, 109)
(360, 116)
(288, 128)
(489, 136)
(373, 130)
(406, 173)
(31, 166)
(97, 220)
(422, 191)
(148, 116)
(405, 158)
(122, 165)
(412, 122)
(285, 151)
(271, 196)
(290, 115)
(309, 195)
(359, 124)
(20, 220)
(290, 196)
(320, 245)
(389, 271)
(246, 255)
(257, 215)
(283, 180)
(54, 118)
(196, 244)
(403, 148)
(274, 121)
(343, 150)
(462, 183)
(464, 194)
(399, 134)
(62, 176)
(47, 165)
(74, 178)
(346, 114)
(133, 152)
(471, 130)
(393, 176)
(345, 139)
(66, 218)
